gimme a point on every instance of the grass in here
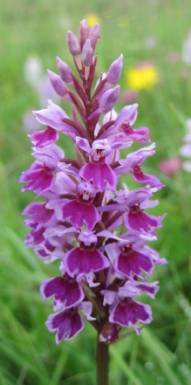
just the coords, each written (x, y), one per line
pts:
(28, 355)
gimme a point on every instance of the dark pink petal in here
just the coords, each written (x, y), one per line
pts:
(141, 221)
(66, 324)
(147, 179)
(129, 312)
(35, 237)
(100, 174)
(38, 178)
(46, 252)
(38, 212)
(148, 288)
(80, 213)
(44, 137)
(66, 291)
(141, 134)
(134, 262)
(84, 261)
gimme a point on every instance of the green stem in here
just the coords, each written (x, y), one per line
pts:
(102, 358)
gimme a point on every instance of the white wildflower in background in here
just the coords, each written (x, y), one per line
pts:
(185, 150)
(36, 77)
(150, 42)
(32, 70)
(186, 51)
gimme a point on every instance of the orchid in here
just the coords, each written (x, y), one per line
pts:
(85, 219)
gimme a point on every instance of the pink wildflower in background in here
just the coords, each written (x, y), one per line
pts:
(170, 167)
(129, 96)
(95, 228)
(150, 42)
(173, 57)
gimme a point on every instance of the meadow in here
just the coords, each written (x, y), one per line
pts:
(161, 354)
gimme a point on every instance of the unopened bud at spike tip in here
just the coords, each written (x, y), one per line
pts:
(87, 53)
(84, 31)
(73, 44)
(94, 35)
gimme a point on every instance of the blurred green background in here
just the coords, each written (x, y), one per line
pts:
(28, 354)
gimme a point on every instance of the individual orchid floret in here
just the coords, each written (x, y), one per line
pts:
(55, 117)
(130, 313)
(82, 204)
(129, 257)
(98, 171)
(133, 163)
(67, 324)
(94, 228)
(84, 260)
(66, 291)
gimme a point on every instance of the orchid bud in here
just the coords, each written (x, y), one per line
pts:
(109, 98)
(57, 83)
(114, 72)
(84, 31)
(87, 53)
(65, 71)
(94, 35)
(73, 44)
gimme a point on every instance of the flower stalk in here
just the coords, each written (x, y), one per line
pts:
(102, 360)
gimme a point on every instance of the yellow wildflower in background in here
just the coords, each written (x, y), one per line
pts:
(142, 78)
(92, 19)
